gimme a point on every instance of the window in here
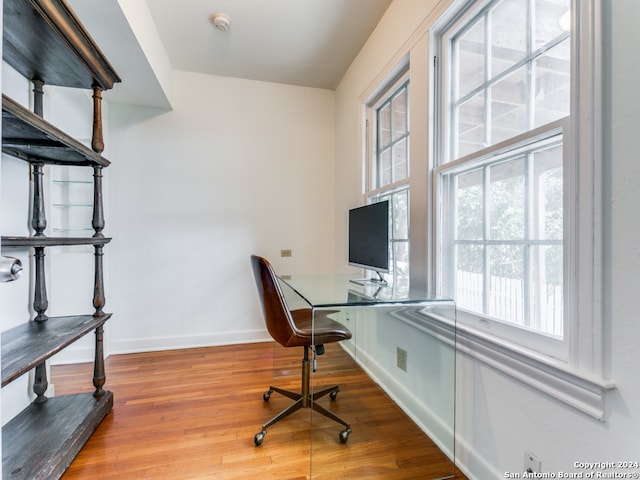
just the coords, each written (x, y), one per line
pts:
(392, 138)
(398, 235)
(510, 72)
(519, 191)
(505, 258)
(505, 116)
(388, 126)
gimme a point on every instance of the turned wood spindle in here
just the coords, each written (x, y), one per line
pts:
(98, 208)
(40, 383)
(38, 217)
(99, 376)
(98, 225)
(40, 301)
(98, 286)
(39, 220)
(97, 222)
(97, 141)
(38, 94)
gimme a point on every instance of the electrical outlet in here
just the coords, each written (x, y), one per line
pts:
(285, 252)
(401, 358)
(531, 463)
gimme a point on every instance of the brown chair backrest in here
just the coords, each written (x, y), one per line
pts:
(274, 306)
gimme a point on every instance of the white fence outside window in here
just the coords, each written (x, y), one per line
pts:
(506, 301)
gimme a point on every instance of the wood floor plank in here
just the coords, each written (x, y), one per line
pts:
(192, 414)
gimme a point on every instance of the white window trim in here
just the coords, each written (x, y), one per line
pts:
(387, 88)
(557, 348)
(381, 96)
(582, 379)
(583, 391)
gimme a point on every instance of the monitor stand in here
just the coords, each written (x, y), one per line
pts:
(379, 282)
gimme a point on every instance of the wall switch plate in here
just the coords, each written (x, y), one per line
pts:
(531, 463)
(401, 358)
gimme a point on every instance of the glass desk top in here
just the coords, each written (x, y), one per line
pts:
(403, 343)
(321, 291)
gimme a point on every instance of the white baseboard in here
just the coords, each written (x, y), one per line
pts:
(472, 465)
(117, 347)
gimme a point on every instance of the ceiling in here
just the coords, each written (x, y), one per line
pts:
(309, 43)
(300, 42)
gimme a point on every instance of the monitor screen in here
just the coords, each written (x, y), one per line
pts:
(369, 236)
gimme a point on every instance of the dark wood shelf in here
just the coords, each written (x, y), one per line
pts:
(31, 343)
(29, 137)
(60, 426)
(45, 40)
(52, 241)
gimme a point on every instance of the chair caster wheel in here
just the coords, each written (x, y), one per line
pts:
(344, 435)
(266, 395)
(259, 438)
(334, 394)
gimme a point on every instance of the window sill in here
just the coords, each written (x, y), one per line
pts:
(582, 391)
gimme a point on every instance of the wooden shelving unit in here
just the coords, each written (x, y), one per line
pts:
(31, 138)
(45, 42)
(31, 343)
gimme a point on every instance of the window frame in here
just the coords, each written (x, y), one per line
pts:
(536, 341)
(376, 167)
(580, 377)
(386, 91)
(372, 191)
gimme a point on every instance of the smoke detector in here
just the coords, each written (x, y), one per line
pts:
(221, 21)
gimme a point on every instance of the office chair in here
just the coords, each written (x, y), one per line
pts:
(293, 328)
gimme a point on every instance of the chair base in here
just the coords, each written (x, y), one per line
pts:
(303, 400)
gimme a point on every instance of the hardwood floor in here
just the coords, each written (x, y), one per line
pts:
(192, 414)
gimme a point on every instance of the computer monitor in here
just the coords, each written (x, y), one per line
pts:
(369, 237)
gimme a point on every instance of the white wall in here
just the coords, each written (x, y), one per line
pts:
(498, 418)
(238, 167)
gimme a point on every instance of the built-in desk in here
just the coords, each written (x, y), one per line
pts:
(404, 339)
